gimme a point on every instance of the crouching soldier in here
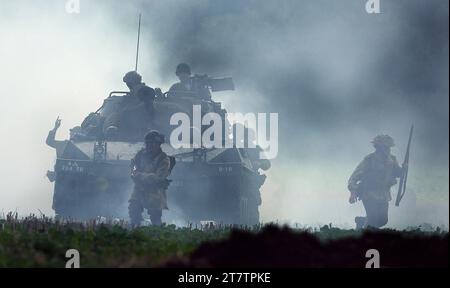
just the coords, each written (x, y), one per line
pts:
(149, 171)
(372, 180)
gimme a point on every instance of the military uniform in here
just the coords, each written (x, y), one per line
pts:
(151, 170)
(187, 86)
(184, 88)
(59, 146)
(371, 182)
(134, 115)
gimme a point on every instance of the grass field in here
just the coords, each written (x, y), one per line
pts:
(43, 242)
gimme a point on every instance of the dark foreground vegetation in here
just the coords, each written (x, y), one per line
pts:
(281, 247)
(43, 242)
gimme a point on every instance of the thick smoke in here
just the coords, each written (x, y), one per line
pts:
(336, 75)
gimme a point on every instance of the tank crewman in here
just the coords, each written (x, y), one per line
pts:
(372, 180)
(198, 85)
(186, 86)
(132, 119)
(149, 171)
(137, 88)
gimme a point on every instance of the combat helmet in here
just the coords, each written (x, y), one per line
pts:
(183, 68)
(383, 140)
(154, 136)
(132, 77)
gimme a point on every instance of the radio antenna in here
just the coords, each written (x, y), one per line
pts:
(137, 48)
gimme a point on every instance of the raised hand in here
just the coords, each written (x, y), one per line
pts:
(57, 123)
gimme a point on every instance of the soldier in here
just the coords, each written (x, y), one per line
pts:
(196, 86)
(135, 113)
(185, 86)
(149, 170)
(59, 146)
(371, 182)
(137, 88)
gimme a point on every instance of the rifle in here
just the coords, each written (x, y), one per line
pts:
(402, 183)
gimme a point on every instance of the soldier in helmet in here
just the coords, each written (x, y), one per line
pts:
(149, 170)
(371, 182)
(136, 110)
(137, 88)
(185, 86)
(190, 86)
(139, 92)
(133, 80)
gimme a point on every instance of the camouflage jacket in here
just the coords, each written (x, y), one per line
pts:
(134, 114)
(374, 177)
(152, 169)
(150, 181)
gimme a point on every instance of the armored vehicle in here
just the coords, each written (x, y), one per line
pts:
(92, 173)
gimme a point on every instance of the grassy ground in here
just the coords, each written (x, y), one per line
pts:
(43, 242)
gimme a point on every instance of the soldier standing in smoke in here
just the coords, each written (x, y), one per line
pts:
(59, 146)
(372, 180)
(149, 171)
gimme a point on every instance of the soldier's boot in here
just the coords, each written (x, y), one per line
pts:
(135, 212)
(155, 216)
(360, 222)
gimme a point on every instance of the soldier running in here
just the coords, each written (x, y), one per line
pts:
(372, 180)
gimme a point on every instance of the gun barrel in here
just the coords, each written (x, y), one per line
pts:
(221, 84)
